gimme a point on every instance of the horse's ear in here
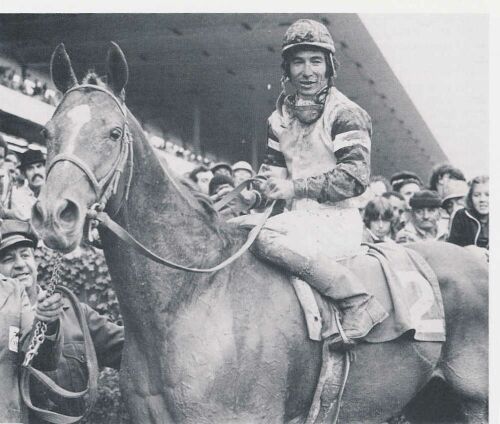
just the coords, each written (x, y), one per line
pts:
(61, 70)
(117, 69)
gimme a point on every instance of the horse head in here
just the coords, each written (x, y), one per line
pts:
(88, 145)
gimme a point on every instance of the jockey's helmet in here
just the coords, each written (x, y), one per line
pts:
(306, 32)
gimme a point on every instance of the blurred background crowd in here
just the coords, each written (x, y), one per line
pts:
(28, 85)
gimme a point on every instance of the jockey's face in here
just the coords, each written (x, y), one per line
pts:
(308, 72)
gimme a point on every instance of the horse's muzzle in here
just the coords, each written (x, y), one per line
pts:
(59, 225)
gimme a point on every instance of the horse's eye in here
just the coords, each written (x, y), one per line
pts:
(45, 133)
(116, 134)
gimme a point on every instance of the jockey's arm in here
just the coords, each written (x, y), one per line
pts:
(349, 178)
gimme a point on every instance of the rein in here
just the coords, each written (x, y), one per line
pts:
(102, 218)
(108, 186)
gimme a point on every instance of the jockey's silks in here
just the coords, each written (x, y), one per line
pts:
(309, 149)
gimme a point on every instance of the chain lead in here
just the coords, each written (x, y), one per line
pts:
(40, 329)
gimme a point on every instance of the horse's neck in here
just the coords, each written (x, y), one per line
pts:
(168, 221)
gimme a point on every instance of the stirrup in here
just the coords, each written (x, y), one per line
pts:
(341, 343)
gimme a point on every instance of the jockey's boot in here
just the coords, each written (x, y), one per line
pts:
(360, 310)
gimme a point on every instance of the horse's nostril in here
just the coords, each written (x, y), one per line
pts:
(68, 212)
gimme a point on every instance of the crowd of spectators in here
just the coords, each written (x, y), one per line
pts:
(32, 87)
(449, 209)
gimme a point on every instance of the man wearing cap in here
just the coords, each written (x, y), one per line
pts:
(16, 319)
(425, 214)
(318, 159)
(23, 198)
(17, 260)
(407, 184)
(242, 171)
(222, 168)
(33, 167)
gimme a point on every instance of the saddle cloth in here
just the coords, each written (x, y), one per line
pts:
(401, 280)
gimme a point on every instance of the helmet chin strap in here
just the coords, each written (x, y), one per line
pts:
(306, 110)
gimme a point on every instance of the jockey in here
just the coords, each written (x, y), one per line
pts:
(318, 159)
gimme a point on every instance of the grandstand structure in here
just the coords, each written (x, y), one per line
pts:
(204, 84)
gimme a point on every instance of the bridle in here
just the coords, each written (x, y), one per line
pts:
(108, 185)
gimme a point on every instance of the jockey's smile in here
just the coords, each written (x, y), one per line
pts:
(308, 72)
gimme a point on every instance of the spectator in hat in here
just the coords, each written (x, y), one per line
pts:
(201, 175)
(17, 261)
(33, 168)
(441, 175)
(222, 168)
(425, 214)
(407, 184)
(242, 171)
(470, 226)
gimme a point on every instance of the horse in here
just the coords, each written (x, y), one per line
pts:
(229, 346)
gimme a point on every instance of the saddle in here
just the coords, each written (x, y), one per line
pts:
(402, 282)
(407, 288)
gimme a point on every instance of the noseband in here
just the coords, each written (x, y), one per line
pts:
(108, 184)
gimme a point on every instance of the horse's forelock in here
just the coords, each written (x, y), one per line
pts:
(94, 79)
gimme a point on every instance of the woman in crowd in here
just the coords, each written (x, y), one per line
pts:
(470, 226)
(379, 219)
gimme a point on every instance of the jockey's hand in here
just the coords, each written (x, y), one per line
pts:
(48, 308)
(278, 188)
